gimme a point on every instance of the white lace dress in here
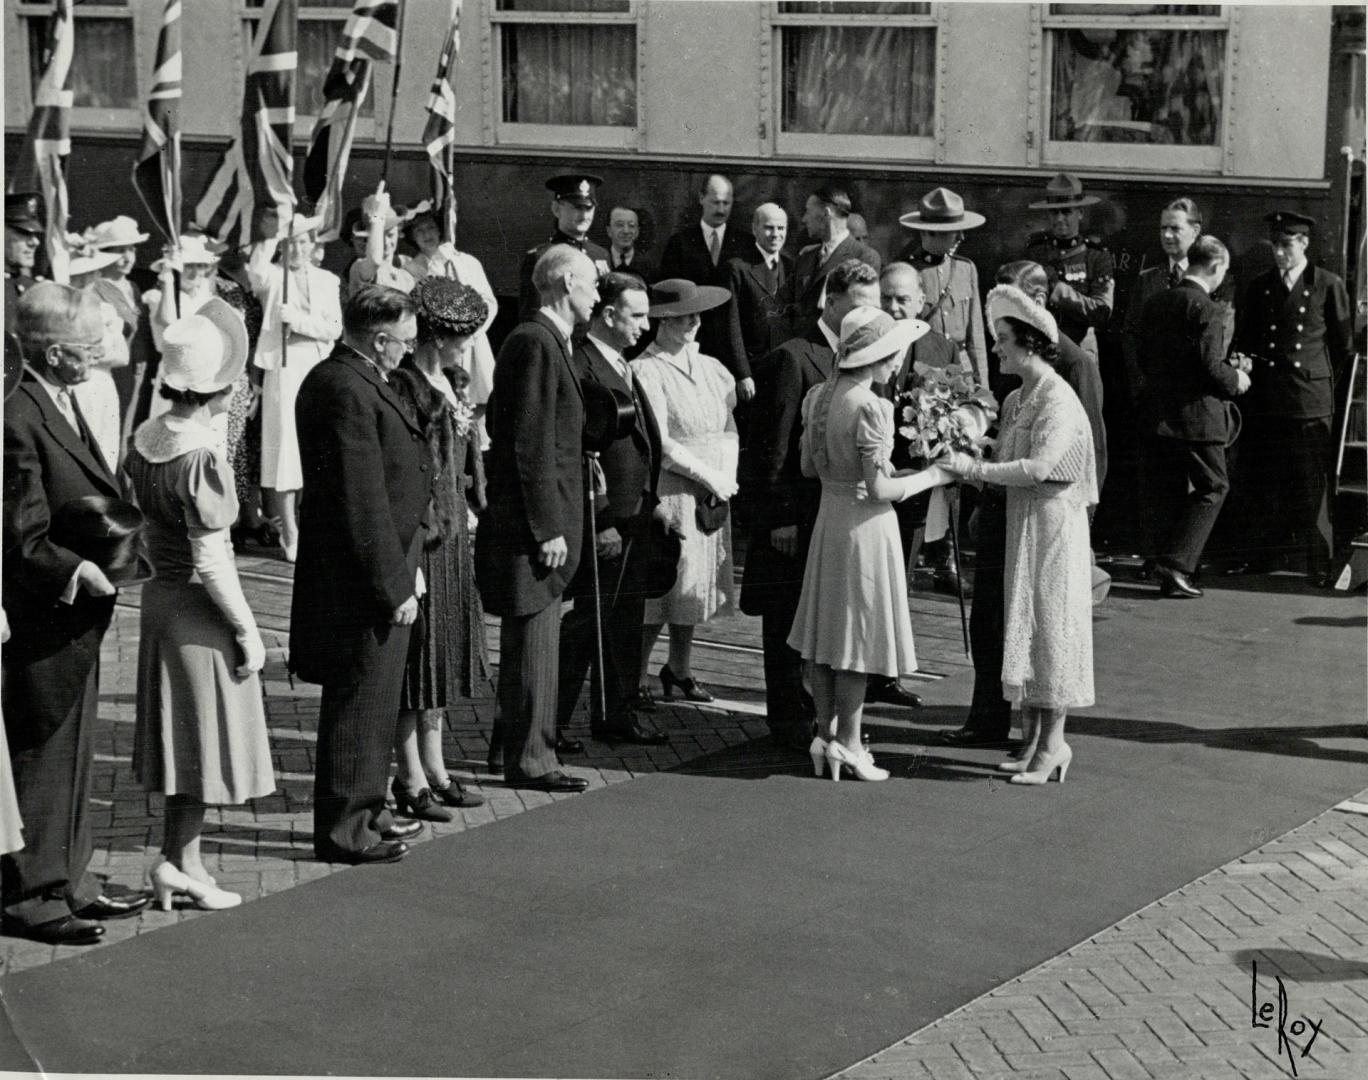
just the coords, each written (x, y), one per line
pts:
(1047, 657)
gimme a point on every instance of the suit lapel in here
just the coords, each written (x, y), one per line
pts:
(67, 437)
(768, 283)
(367, 371)
(840, 254)
(555, 332)
(819, 355)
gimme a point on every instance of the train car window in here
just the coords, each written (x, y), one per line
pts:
(318, 31)
(103, 69)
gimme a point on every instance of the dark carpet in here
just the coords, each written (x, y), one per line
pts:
(744, 919)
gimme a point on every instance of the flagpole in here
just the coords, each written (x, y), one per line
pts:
(394, 92)
(285, 294)
(450, 207)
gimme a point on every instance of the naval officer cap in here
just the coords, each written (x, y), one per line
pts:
(1289, 222)
(24, 211)
(575, 187)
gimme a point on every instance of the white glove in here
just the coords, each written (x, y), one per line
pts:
(932, 476)
(213, 561)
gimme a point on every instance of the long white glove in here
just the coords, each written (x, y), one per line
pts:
(213, 561)
(932, 476)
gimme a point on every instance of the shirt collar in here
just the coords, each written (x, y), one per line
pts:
(1180, 265)
(832, 339)
(1295, 273)
(566, 330)
(771, 259)
(708, 230)
(611, 355)
(52, 387)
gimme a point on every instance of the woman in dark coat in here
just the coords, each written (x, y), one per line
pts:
(448, 660)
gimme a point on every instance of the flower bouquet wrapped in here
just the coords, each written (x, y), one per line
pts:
(946, 410)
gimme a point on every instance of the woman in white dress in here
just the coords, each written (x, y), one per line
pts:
(299, 328)
(1044, 458)
(98, 395)
(118, 285)
(852, 619)
(440, 258)
(692, 397)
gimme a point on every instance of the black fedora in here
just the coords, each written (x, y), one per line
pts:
(106, 532)
(609, 415)
(679, 296)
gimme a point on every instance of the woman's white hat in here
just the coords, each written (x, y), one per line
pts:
(1007, 301)
(869, 335)
(206, 351)
(194, 250)
(84, 258)
(121, 231)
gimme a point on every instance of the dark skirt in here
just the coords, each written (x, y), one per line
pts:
(450, 660)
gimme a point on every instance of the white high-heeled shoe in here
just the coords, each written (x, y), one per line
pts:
(1015, 764)
(1050, 764)
(168, 881)
(817, 750)
(860, 764)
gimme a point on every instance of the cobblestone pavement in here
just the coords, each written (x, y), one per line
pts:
(1164, 993)
(1171, 990)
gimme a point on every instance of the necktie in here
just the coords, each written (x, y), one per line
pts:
(1175, 275)
(67, 402)
(1287, 280)
(714, 247)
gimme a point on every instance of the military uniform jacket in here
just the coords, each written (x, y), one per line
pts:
(1183, 359)
(528, 299)
(779, 493)
(953, 307)
(535, 470)
(1300, 342)
(809, 278)
(15, 286)
(367, 470)
(1082, 282)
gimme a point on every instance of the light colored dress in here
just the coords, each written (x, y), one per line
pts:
(692, 397)
(316, 297)
(201, 731)
(98, 396)
(852, 613)
(1047, 657)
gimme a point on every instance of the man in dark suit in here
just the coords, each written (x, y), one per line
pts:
(1188, 383)
(631, 471)
(573, 201)
(990, 715)
(1296, 327)
(529, 542)
(59, 607)
(362, 523)
(700, 254)
(759, 281)
(624, 231)
(785, 501)
(826, 217)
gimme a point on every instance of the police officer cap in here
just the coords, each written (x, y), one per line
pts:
(1289, 221)
(24, 211)
(577, 186)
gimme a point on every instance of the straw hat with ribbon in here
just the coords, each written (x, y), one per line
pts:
(118, 232)
(194, 251)
(869, 335)
(85, 257)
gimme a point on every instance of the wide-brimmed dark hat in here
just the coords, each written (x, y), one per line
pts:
(24, 211)
(1064, 192)
(107, 532)
(1289, 221)
(678, 296)
(609, 415)
(941, 211)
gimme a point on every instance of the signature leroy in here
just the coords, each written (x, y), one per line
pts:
(1262, 1015)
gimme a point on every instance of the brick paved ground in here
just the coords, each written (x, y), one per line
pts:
(1166, 992)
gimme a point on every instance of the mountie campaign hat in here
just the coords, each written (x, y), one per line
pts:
(24, 211)
(679, 296)
(941, 211)
(578, 187)
(107, 532)
(1064, 192)
(1289, 221)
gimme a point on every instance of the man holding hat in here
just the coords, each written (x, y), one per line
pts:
(59, 603)
(949, 281)
(23, 237)
(1082, 276)
(573, 200)
(1296, 328)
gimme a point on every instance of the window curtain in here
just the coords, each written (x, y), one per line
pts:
(858, 80)
(569, 74)
(1138, 86)
(102, 72)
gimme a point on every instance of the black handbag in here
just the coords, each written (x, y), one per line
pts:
(711, 513)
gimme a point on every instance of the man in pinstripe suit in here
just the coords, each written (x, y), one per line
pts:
(367, 485)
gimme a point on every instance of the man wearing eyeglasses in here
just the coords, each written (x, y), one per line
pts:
(367, 484)
(59, 606)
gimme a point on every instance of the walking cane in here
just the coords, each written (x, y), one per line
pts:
(952, 508)
(595, 473)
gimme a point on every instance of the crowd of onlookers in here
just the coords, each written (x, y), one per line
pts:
(640, 410)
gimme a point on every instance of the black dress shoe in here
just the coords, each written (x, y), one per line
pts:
(566, 745)
(494, 761)
(645, 700)
(423, 806)
(1175, 583)
(122, 906)
(969, 737)
(383, 852)
(631, 733)
(401, 830)
(947, 579)
(890, 692)
(552, 781)
(68, 930)
(455, 795)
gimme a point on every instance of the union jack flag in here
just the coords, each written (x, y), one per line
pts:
(439, 132)
(157, 171)
(42, 162)
(257, 170)
(371, 33)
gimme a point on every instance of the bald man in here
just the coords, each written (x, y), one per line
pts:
(759, 282)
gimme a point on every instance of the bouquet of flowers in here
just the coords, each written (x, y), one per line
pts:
(946, 410)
